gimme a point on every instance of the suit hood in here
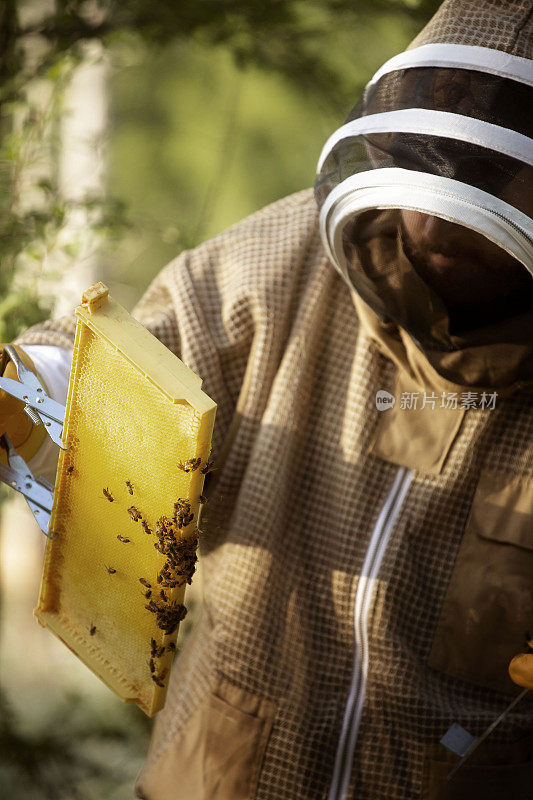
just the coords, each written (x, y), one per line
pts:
(443, 130)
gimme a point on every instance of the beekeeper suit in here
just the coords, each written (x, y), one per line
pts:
(368, 545)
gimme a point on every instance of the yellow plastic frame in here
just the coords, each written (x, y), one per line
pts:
(134, 411)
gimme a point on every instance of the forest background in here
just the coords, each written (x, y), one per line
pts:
(129, 131)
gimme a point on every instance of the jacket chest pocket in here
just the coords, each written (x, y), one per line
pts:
(488, 608)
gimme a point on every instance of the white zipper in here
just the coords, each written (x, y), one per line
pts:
(395, 187)
(363, 596)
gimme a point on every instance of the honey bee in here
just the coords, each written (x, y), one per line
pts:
(130, 486)
(110, 570)
(203, 499)
(70, 470)
(208, 467)
(181, 508)
(123, 539)
(172, 647)
(168, 628)
(157, 681)
(148, 594)
(159, 652)
(159, 578)
(134, 513)
(190, 465)
(152, 666)
(153, 646)
(146, 527)
(108, 494)
(163, 595)
(181, 503)
(145, 583)
(92, 630)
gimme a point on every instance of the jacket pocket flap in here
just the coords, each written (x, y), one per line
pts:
(218, 753)
(503, 510)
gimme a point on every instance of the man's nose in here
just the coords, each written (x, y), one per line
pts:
(437, 231)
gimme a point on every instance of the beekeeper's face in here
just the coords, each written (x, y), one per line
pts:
(471, 274)
(463, 267)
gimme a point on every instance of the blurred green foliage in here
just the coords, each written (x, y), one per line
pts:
(196, 143)
(224, 109)
(284, 36)
(81, 754)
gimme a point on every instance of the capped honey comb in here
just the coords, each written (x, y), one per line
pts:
(138, 433)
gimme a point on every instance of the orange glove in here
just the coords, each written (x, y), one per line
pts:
(521, 668)
(25, 436)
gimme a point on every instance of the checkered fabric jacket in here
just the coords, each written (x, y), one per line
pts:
(354, 608)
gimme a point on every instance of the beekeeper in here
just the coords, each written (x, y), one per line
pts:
(368, 546)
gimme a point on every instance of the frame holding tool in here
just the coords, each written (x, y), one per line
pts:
(121, 520)
(42, 410)
(459, 741)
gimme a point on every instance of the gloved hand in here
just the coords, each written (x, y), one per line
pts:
(24, 435)
(521, 669)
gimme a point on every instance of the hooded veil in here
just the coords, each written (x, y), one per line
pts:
(444, 129)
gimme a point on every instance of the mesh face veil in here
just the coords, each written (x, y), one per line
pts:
(443, 130)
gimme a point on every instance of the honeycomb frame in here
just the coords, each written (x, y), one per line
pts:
(134, 413)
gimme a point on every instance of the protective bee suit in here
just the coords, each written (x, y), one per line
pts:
(368, 566)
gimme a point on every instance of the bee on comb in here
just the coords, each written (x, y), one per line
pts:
(189, 466)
